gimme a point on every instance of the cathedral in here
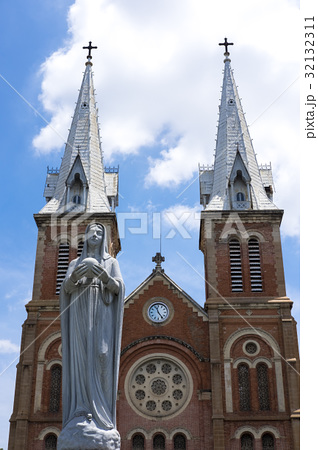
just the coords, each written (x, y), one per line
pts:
(223, 376)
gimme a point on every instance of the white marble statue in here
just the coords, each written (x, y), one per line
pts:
(91, 304)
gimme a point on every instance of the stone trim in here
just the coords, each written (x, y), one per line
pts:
(48, 430)
(167, 338)
(277, 360)
(256, 432)
(150, 434)
(252, 364)
(158, 385)
(40, 368)
(53, 362)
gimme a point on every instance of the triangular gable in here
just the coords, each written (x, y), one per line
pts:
(238, 164)
(157, 276)
(76, 168)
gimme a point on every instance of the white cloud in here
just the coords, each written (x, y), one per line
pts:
(181, 220)
(158, 75)
(7, 346)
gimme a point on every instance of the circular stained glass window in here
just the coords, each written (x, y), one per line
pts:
(158, 386)
(251, 348)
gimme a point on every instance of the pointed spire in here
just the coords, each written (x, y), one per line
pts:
(236, 179)
(81, 180)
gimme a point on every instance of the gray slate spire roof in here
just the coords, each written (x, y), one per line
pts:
(80, 184)
(235, 181)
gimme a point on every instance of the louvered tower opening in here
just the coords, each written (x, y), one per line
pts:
(255, 265)
(236, 265)
(62, 265)
(80, 246)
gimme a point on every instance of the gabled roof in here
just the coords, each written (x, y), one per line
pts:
(83, 140)
(76, 168)
(239, 165)
(233, 134)
(159, 275)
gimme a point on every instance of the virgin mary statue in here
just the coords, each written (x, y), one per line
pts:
(91, 306)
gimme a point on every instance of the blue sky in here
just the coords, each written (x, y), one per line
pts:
(158, 73)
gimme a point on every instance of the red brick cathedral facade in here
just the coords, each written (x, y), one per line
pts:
(220, 376)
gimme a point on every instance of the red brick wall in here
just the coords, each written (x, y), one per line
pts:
(185, 326)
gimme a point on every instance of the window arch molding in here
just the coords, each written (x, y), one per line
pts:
(252, 364)
(256, 432)
(262, 360)
(267, 337)
(277, 362)
(135, 431)
(246, 429)
(46, 343)
(157, 431)
(48, 430)
(62, 238)
(246, 361)
(183, 431)
(234, 235)
(40, 367)
(52, 363)
(268, 429)
(253, 234)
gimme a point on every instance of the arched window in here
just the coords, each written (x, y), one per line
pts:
(179, 442)
(262, 380)
(55, 388)
(138, 442)
(50, 442)
(159, 442)
(268, 442)
(244, 387)
(240, 197)
(255, 265)
(62, 265)
(236, 265)
(77, 199)
(247, 442)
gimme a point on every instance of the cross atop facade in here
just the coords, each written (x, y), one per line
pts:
(226, 44)
(89, 48)
(158, 259)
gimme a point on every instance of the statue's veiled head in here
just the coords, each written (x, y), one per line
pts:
(95, 239)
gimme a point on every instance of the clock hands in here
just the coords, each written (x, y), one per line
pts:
(158, 312)
(157, 308)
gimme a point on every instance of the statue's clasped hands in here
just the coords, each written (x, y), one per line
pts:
(96, 269)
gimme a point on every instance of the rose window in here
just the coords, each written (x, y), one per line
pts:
(158, 387)
(251, 348)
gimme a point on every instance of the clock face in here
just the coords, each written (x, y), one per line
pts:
(158, 312)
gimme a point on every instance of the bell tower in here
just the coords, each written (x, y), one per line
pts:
(82, 190)
(253, 340)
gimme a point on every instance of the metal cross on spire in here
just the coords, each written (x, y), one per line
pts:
(226, 44)
(89, 48)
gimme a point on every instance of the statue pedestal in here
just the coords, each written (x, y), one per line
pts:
(82, 433)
